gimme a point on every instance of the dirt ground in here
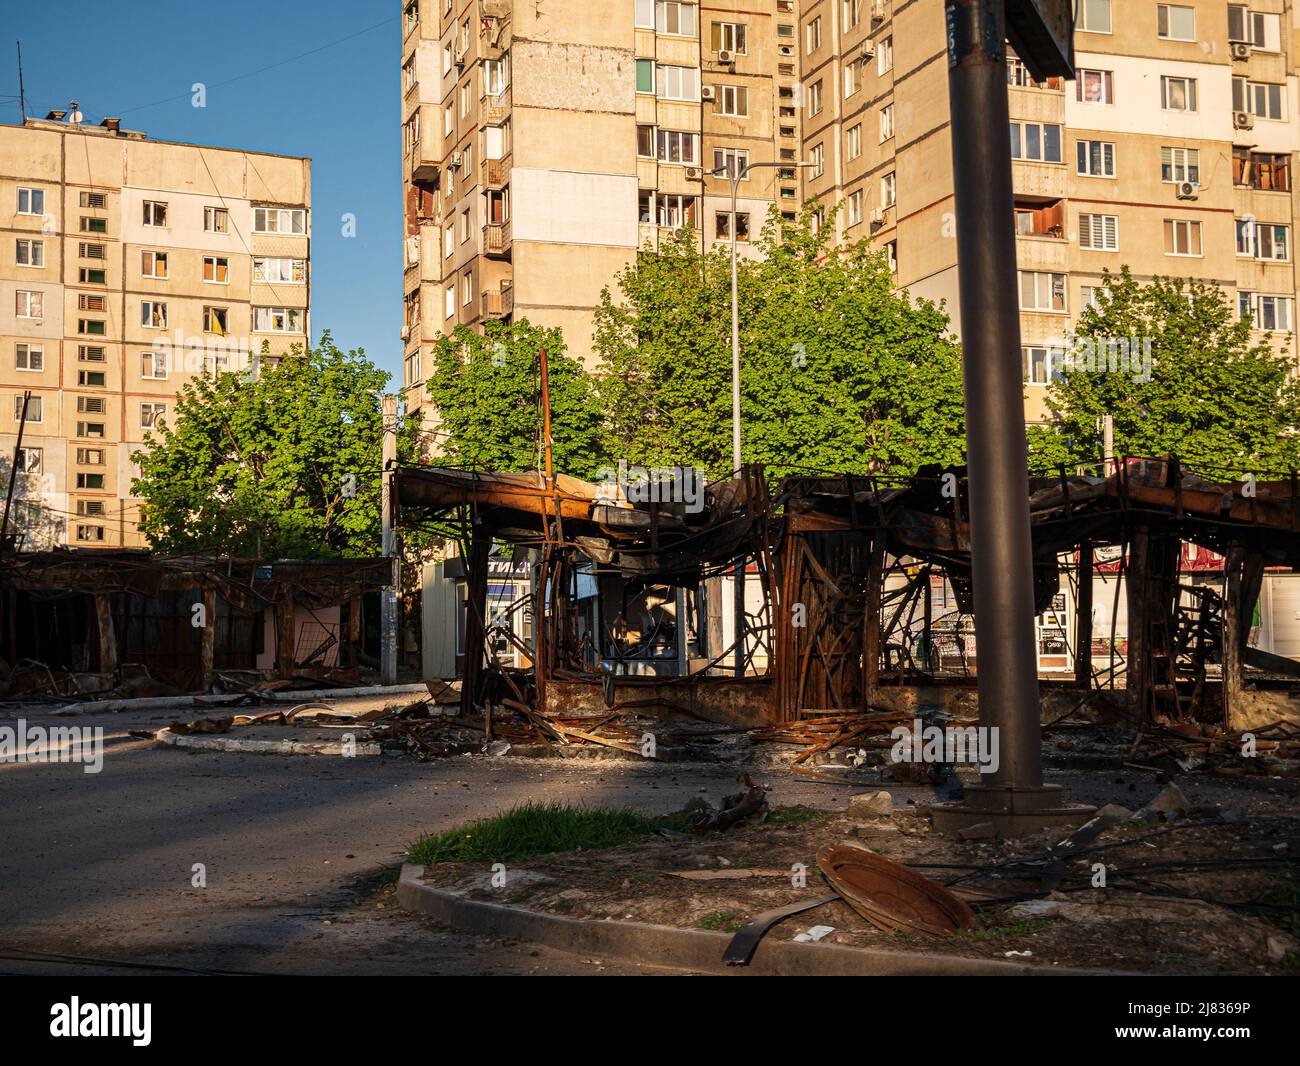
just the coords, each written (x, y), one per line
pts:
(1203, 894)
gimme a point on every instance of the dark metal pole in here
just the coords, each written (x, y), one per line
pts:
(1001, 551)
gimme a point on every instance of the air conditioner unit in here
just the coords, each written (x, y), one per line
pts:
(868, 51)
(1187, 190)
(708, 92)
(1243, 120)
(877, 216)
(456, 160)
(1240, 50)
(877, 10)
(694, 174)
(726, 55)
(460, 60)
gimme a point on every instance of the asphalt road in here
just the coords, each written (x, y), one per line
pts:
(299, 854)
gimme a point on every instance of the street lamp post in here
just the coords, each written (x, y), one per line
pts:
(736, 175)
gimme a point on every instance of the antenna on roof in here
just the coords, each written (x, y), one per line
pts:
(22, 95)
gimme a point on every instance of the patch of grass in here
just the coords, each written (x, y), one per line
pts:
(794, 816)
(1029, 925)
(724, 920)
(532, 829)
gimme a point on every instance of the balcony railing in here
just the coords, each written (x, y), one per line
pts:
(499, 303)
(496, 109)
(496, 238)
(495, 172)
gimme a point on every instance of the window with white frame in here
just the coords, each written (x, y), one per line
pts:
(1178, 93)
(731, 161)
(279, 220)
(216, 269)
(411, 133)
(888, 190)
(673, 211)
(1094, 86)
(31, 460)
(29, 253)
(1039, 141)
(675, 19)
(1259, 29)
(155, 213)
(153, 315)
(643, 14)
(813, 35)
(732, 100)
(1040, 364)
(150, 413)
(408, 75)
(1263, 240)
(815, 98)
(216, 219)
(853, 141)
(1261, 99)
(467, 288)
(496, 76)
(275, 319)
(216, 320)
(153, 264)
(722, 225)
(29, 304)
(449, 304)
(1175, 22)
(29, 356)
(850, 13)
(886, 122)
(1266, 312)
(31, 201)
(817, 157)
(884, 55)
(852, 81)
(35, 409)
(729, 37)
(279, 271)
(1182, 237)
(1180, 164)
(1099, 233)
(1096, 159)
(1094, 15)
(153, 365)
(1042, 291)
(676, 146)
(677, 83)
(855, 207)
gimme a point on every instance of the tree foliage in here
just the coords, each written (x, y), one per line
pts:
(839, 372)
(1224, 403)
(281, 464)
(487, 392)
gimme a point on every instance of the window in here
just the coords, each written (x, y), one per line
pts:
(855, 207)
(29, 304)
(153, 264)
(1094, 15)
(90, 533)
(1182, 237)
(1094, 86)
(817, 156)
(886, 122)
(150, 413)
(275, 319)
(30, 253)
(1096, 159)
(675, 19)
(677, 147)
(410, 16)
(448, 241)
(92, 301)
(92, 276)
(888, 190)
(1261, 99)
(813, 35)
(1039, 366)
(97, 200)
(31, 201)
(408, 75)
(1042, 291)
(677, 83)
(644, 14)
(90, 353)
(498, 206)
(467, 288)
(645, 142)
(29, 356)
(1267, 312)
(731, 160)
(449, 304)
(90, 405)
(215, 320)
(496, 76)
(411, 133)
(93, 225)
(850, 13)
(1180, 164)
(92, 379)
(413, 368)
(90, 508)
(216, 220)
(853, 141)
(91, 327)
(155, 213)
(851, 80)
(91, 251)
(153, 314)
(732, 100)
(216, 269)
(645, 75)
(90, 481)
(891, 256)
(1036, 140)
(884, 55)
(90, 429)
(1265, 171)
(1176, 23)
(31, 460)
(464, 226)
(1263, 240)
(153, 365)
(729, 37)
(279, 271)
(815, 98)
(1099, 232)
(1177, 94)
(216, 363)
(35, 409)
(279, 220)
(722, 222)
(1255, 28)
(675, 212)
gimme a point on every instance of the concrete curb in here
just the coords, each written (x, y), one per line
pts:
(145, 703)
(662, 945)
(209, 742)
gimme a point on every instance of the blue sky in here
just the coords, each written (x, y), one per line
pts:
(339, 105)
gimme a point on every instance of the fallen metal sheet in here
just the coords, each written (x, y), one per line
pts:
(745, 942)
(889, 895)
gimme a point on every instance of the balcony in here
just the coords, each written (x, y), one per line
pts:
(499, 303)
(496, 173)
(496, 110)
(496, 240)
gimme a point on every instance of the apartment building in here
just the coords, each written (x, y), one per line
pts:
(128, 266)
(1170, 152)
(543, 144)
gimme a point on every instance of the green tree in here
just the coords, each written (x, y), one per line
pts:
(284, 463)
(839, 372)
(487, 392)
(1223, 402)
